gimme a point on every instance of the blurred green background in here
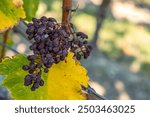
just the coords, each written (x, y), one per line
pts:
(125, 32)
(119, 31)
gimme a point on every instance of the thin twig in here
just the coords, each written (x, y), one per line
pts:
(5, 37)
(92, 91)
(6, 46)
(92, 94)
(74, 10)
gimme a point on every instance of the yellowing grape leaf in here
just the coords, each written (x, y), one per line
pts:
(62, 82)
(65, 79)
(10, 12)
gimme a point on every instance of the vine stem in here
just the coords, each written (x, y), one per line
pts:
(66, 15)
(66, 12)
(5, 37)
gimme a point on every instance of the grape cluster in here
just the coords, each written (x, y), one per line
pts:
(50, 45)
(80, 46)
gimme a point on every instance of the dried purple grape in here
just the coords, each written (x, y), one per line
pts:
(51, 43)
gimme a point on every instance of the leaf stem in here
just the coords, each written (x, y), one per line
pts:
(5, 37)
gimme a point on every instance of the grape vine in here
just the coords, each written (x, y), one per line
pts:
(51, 43)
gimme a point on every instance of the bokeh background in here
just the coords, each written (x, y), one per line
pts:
(119, 32)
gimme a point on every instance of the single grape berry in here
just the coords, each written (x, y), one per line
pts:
(27, 80)
(25, 67)
(27, 83)
(33, 88)
(36, 85)
(39, 65)
(41, 83)
(46, 70)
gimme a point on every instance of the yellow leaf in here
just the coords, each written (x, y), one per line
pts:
(10, 13)
(65, 79)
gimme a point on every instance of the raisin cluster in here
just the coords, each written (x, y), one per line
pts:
(50, 45)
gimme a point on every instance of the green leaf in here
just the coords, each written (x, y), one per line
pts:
(30, 7)
(11, 69)
(10, 12)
